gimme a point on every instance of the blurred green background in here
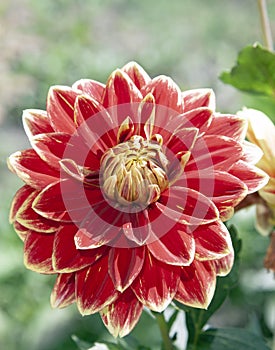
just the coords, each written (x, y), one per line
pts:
(43, 43)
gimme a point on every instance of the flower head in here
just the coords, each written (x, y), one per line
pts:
(126, 189)
(261, 132)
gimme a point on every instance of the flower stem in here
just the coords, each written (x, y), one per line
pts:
(164, 331)
(267, 35)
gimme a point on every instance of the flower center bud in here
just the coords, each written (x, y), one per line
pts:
(134, 172)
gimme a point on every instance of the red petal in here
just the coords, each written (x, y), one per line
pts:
(176, 247)
(63, 201)
(224, 265)
(36, 122)
(253, 177)
(182, 140)
(32, 169)
(137, 227)
(198, 98)
(120, 89)
(38, 252)
(187, 206)
(66, 258)
(63, 293)
(94, 287)
(90, 87)
(21, 230)
(197, 284)
(228, 125)
(137, 74)
(20, 197)
(125, 265)
(60, 108)
(51, 147)
(166, 93)
(212, 241)
(122, 315)
(156, 284)
(27, 217)
(216, 152)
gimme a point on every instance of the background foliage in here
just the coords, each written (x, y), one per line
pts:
(59, 41)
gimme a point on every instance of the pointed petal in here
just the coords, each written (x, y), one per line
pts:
(166, 93)
(51, 147)
(20, 197)
(27, 217)
(251, 153)
(122, 315)
(29, 167)
(253, 177)
(94, 287)
(120, 89)
(125, 265)
(137, 74)
(197, 284)
(228, 125)
(137, 227)
(66, 257)
(125, 130)
(60, 108)
(224, 265)
(212, 241)
(198, 98)
(63, 293)
(187, 206)
(21, 230)
(175, 248)
(90, 87)
(182, 140)
(38, 252)
(36, 121)
(214, 152)
(156, 284)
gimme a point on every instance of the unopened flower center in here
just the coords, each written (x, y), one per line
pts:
(135, 171)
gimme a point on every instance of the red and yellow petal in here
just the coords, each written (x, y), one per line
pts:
(90, 87)
(20, 197)
(147, 287)
(176, 247)
(35, 122)
(60, 108)
(198, 98)
(38, 250)
(94, 287)
(197, 284)
(228, 125)
(63, 293)
(122, 315)
(224, 265)
(28, 166)
(212, 241)
(66, 257)
(137, 74)
(124, 265)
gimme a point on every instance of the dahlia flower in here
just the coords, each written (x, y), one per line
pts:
(261, 132)
(127, 186)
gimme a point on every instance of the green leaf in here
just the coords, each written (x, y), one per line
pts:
(197, 318)
(229, 339)
(254, 71)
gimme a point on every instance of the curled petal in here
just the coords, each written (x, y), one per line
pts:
(137, 74)
(147, 287)
(36, 121)
(94, 287)
(20, 197)
(60, 108)
(224, 265)
(120, 89)
(197, 284)
(90, 87)
(32, 169)
(122, 315)
(63, 293)
(198, 98)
